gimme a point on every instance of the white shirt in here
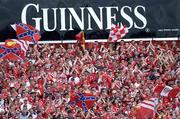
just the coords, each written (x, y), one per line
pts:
(1, 105)
(29, 106)
(76, 80)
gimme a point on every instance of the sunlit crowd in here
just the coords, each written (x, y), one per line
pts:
(120, 75)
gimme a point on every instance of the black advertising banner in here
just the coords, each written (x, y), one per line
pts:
(62, 19)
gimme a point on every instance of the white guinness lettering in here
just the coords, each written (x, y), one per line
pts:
(127, 17)
(84, 18)
(140, 17)
(98, 21)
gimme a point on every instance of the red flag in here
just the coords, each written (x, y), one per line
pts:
(81, 39)
(26, 32)
(11, 53)
(146, 109)
(117, 32)
(166, 91)
(83, 100)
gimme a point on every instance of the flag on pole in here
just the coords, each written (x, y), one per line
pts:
(81, 39)
(26, 32)
(146, 109)
(82, 100)
(166, 91)
(117, 32)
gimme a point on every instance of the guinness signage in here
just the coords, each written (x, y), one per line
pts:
(104, 19)
(143, 18)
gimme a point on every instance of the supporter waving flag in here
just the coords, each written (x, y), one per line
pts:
(117, 32)
(83, 100)
(166, 91)
(146, 109)
(26, 32)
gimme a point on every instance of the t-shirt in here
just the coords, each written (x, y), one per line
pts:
(24, 116)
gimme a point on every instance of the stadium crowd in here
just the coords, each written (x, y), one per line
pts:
(120, 75)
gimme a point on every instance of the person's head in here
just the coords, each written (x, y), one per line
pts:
(25, 101)
(30, 116)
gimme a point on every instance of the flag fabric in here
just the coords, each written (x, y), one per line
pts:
(146, 109)
(26, 32)
(81, 39)
(82, 100)
(166, 91)
(10, 53)
(23, 45)
(117, 32)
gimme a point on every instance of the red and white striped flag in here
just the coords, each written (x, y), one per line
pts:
(22, 44)
(166, 91)
(146, 109)
(117, 32)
